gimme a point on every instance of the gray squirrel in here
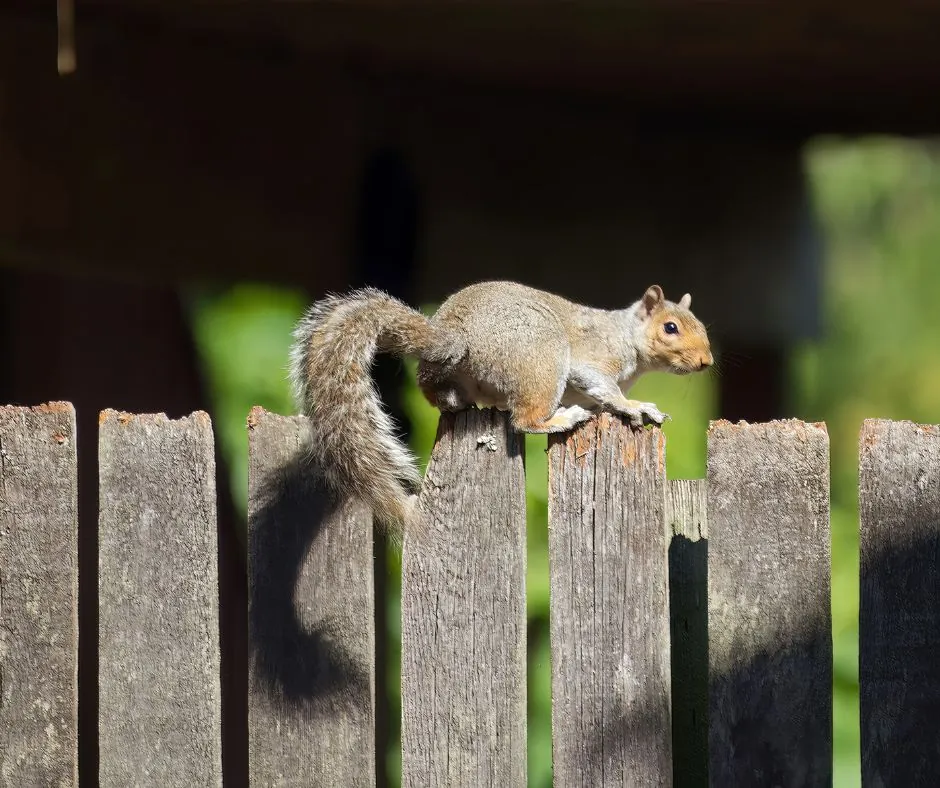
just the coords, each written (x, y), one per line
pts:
(550, 362)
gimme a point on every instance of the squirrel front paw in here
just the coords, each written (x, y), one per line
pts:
(643, 413)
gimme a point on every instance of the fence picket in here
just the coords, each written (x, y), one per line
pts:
(311, 700)
(737, 610)
(769, 623)
(158, 633)
(687, 522)
(464, 612)
(38, 596)
(899, 607)
(609, 606)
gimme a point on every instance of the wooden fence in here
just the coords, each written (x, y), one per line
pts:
(650, 637)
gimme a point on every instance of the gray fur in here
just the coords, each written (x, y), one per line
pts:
(353, 440)
(550, 362)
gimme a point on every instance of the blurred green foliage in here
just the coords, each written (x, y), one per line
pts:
(243, 334)
(878, 204)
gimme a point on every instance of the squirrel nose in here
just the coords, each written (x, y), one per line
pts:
(705, 362)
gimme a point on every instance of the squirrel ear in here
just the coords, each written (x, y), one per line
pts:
(686, 301)
(653, 299)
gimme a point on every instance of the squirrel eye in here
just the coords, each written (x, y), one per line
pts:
(671, 328)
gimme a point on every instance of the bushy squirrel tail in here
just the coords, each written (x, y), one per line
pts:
(353, 441)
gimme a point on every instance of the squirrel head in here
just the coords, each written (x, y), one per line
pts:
(676, 340)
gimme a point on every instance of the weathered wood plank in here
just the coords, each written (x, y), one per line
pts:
(159, 711)
(609, 606)
(464, 612)
(769, 622)
(38, 597)
(899, 608)
(688, 628)
(311, 702)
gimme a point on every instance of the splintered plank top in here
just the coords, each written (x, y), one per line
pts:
(160, 699)
(39, 593)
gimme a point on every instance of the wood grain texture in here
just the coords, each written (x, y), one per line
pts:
(609, 606)
(770, 642)
(38, 597)
(464, 612)
(687, 522)
(899, 607)
(311, 702)
(159, 711)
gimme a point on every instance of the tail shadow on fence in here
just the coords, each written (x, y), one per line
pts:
(292, 662)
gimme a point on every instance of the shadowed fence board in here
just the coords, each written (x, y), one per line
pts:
(38, 597)
(609, 606)
(769, 624)
(686, 521)
(899, 621)
(159, 713)
(464, 612)
(311, 702)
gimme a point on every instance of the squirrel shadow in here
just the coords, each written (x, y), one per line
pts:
(294, 663)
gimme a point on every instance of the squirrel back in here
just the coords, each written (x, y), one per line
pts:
(550, 362)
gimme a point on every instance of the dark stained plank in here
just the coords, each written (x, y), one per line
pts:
(899, 607)
(464, 612)
(159, 713)
(769, 622)
(38, 596)
(609, 606)
(311, 620)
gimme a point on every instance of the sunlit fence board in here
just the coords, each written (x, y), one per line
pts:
(159, 713)
(38, 596)
(464, 612)
(609, 606)
(769, 622)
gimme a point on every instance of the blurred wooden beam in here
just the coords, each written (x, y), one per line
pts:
(163, 158)
(872, 66)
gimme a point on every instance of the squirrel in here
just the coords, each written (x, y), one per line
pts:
(550, 362)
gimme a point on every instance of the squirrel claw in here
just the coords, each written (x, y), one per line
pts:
(646, 413)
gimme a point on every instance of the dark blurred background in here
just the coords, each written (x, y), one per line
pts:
(169, 207)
